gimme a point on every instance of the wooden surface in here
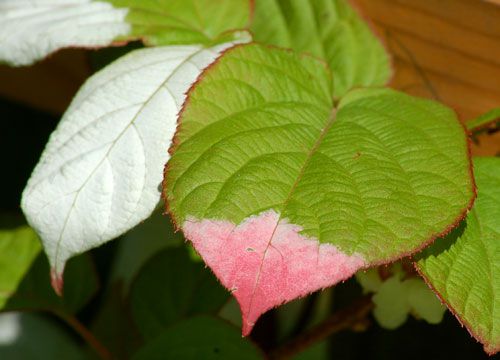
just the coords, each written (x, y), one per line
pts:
(443, 49)
(48, 85)
(448, 50)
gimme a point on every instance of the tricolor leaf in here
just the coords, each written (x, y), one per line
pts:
(329, 29)
(32, 29)
(100, 171)
(464, 267)
(283, 192)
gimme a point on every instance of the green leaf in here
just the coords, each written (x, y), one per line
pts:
(329, 29)
(140, 244)
(18, 249)
(35, 291)
(279, 188)
(200, 337)
(396, 298)
(171, 287)
(28, 336)
(423, 302)
(491, 119)
(391, 304)
(170, 22)
(464, 267)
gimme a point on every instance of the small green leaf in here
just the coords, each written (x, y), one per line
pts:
(200, 337)
(170, 287)
(329, 29)
(35, 292)
(173, 22)
(369, 280)
(464, 267)
(396, 298)
(423, 302)
(491, 119)
(391, 304)
(280, 188)
(18, 249)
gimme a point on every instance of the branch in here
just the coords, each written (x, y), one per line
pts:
(85, 333)
(344, 319)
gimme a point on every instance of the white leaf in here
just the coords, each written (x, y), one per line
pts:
(100, 172)
(32, 29)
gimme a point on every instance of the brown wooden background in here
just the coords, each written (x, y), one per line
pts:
(443, 49)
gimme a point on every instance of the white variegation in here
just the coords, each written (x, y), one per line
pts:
(32, 29)
(100, 172)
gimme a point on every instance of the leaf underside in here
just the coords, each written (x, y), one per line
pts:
(282, 192)
(32, 29)
(99, 174)
(330, 30)
(464, 267)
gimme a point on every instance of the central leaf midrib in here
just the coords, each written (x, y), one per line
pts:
(317, 143)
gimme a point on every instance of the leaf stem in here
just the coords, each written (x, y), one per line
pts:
(344, 319)
(86, 335)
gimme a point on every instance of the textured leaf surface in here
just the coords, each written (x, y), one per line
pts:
(18, 249)
(329, 29)
(161, 297)
(167, 22)
(283, 193)
(464, 267)
(32, 29)
(100, 171)
(200, 337)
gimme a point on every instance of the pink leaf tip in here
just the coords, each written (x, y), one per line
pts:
(57, 282)
(265, 261)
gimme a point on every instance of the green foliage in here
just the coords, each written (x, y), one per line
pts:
(35, 292)
(35, 337)
(200, 337)
(379, 175)
(171, 287)
(172, 22)
(330, 30)
(18, 249)
(464, 267)
(303, 129)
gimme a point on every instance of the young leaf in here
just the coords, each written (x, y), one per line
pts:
(32, 29)
(491, 119)
(169, 22)
(464, 267)
(100, 171)
(160, 297)
(282, 192)
(329, 29)
(201, 337)
(18, 249)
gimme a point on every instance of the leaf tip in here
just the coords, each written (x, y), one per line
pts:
(57, 281)
(265, 261)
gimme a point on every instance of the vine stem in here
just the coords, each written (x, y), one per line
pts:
(344, 319)
(85, 334)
